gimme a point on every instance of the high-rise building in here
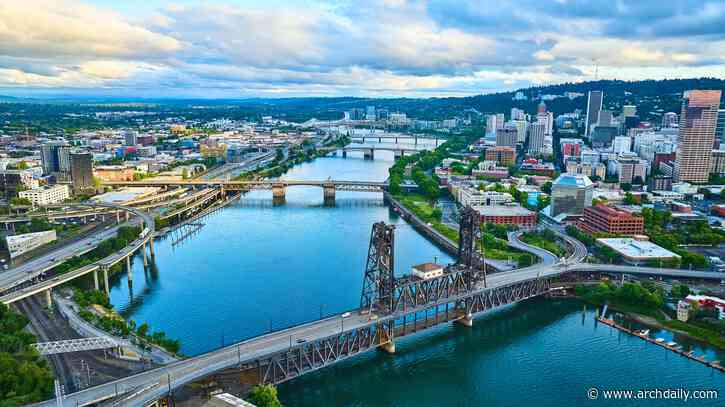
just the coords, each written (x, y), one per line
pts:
(130, 138)
(508, 136)
(696, 135)
(570, 194)
(55, 157)
(537, 135)
(631, 168)
(504, 156)
(594, 106)
(370, 113)
(517, 114)
(621, 144)
(720, 128)
(605, 219)
(81, 171)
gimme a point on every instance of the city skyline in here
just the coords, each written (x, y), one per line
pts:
(313, 48)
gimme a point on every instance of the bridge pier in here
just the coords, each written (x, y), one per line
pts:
(129, 270)
(344, 153)
(278, 191)
(399, 154)
(467, 320)
(151, 247)
(369, 154)
(125, 214)
(118, 217)
(328, 191)
(388, 347)
(95, 280)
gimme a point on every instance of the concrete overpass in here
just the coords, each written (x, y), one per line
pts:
(395, 137)
(12, 281)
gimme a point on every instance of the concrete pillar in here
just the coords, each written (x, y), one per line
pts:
(369, 154)
(49, 298)
(118, 217)
(466, 320)
(399, 154)
(278, 191)
(344, 153)
(125, 214)
(151, 248)
(145, 259)
(388, 347)
(95, 279)
(106, 286)
(129, 270)
(328, 191)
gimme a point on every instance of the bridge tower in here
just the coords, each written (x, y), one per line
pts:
(469, 231)
(379, 280)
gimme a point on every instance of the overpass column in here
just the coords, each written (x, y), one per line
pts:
(344, 153)
(129, 270)
(125, 215)
(105, 279)
(369, 154)
(49, 297)
(95, 279)
(145, 259)
(399, 154)
(151, 247)
(118, 217)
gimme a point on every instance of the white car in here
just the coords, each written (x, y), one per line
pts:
(345, 315)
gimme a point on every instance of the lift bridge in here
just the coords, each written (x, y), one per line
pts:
(399, 306)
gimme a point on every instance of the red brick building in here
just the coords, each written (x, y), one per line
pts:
(507, 215)
(605, 219)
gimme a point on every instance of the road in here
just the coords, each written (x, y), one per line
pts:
(18, 278)
(39, 265)
(151, 385)
(547, 258)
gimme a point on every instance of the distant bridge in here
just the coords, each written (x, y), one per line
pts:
(277, 186)
(369, 151)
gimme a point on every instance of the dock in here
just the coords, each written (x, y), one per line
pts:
(667, 345)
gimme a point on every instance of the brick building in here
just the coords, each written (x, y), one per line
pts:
(605, 219)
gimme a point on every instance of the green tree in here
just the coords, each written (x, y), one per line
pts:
(629, 199)
(264, 396)
(546, 188)
(626, 187)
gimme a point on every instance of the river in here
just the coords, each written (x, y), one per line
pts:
(253, 266)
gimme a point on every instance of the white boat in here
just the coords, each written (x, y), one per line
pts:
(659, 340)
(644, 332)
(671, 344)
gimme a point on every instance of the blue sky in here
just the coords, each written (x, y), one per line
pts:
(277, 48)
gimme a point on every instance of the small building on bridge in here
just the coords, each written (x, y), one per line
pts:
(427, 271)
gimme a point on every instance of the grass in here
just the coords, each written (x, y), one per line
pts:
(704, 334)
(543, 242)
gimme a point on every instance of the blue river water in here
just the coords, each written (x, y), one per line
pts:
(253, 266)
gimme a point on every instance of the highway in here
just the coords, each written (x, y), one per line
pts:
(19, 276)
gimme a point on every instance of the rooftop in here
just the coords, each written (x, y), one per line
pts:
(427, 267)
(502, 210)
(639, 249)
(574, 180)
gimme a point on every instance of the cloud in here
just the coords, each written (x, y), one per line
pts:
(376, 47)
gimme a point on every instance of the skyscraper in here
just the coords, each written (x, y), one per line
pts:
(696, 135)
(82, 171)
(594, 106)
(669, 120)
(720, 128)
(55, 156)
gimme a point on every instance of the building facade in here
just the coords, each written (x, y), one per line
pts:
(82, 171)
(605, 219)
(570, 194)
(696, 135)
(46, 195)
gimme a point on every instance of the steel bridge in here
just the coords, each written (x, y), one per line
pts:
(369, 151)
(74, 345)
(389, 308)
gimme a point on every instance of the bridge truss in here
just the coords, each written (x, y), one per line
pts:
(74, 345)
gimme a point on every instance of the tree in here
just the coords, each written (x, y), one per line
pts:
(264, 396)
(142, 330)
(626, 187)
(20, 201)
(546, 188)
(184, 173)
(437, 214)
(629, 199)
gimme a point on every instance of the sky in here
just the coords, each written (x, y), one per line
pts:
(369, 48)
